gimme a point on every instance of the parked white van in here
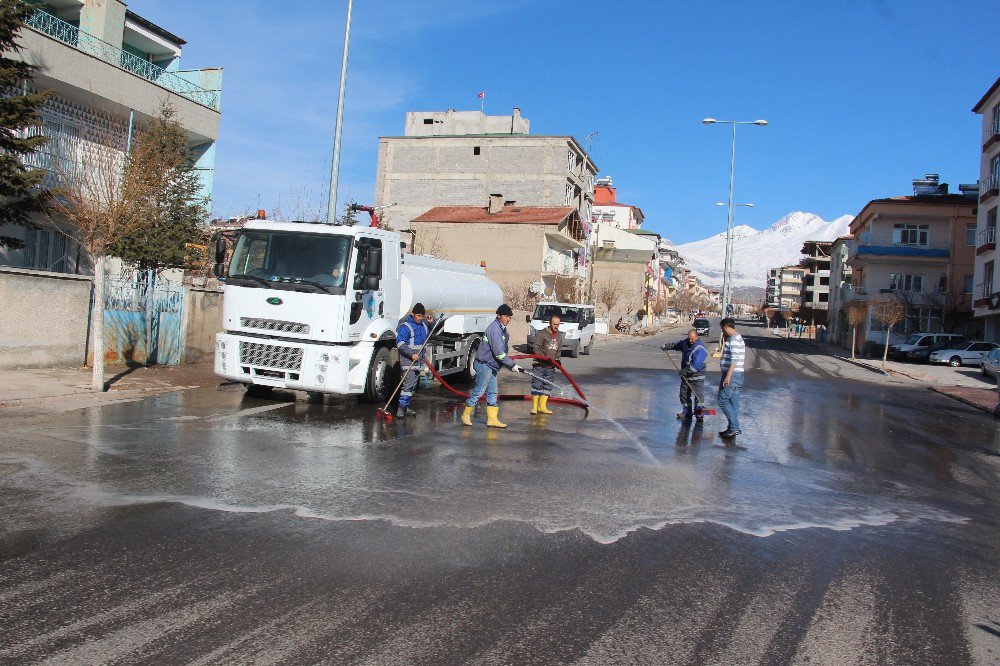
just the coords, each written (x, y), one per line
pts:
(578, 324)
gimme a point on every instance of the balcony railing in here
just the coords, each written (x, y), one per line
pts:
(992, 182)
(991, 130)
(909, 251)
(987, 235)
(67, 33)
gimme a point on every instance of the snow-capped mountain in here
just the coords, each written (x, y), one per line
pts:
(754, 252)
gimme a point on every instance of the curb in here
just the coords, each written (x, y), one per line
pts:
(106, 397)
(989, 410)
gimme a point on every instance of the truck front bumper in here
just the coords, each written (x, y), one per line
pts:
(291, 365)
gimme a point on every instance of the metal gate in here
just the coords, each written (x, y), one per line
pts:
(143, 320)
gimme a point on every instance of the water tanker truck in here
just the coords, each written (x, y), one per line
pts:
(314, 307)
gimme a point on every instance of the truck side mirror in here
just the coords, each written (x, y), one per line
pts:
(527, 319)
(220, 257)
(371, 283)
(373, 265)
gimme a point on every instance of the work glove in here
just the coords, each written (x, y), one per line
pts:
(518, 368)
(664, 348)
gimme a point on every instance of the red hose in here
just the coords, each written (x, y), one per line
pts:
(514, 396)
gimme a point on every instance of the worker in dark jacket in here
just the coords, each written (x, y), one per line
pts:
(693, 359)
(548, 343)
(411, 334)
(490, 357)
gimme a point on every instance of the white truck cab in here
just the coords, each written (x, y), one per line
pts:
(578, 324)
(314, 307)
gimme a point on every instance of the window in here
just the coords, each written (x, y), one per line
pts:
(428, 121)
(570, 160)
(970, 233)
(906, 282)
(910, 234)
(991, 219)
(568, 198)
(476, 150)
(824, 281)
(824, 297)
(44, 249)
(967, 284)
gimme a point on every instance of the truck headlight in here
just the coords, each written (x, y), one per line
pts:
(320, 379)
(321, 367)
(324, 358)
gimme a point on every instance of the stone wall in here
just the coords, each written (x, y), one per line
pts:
(44, 318)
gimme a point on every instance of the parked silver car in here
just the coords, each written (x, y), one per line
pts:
(969, 353)
(991, 365)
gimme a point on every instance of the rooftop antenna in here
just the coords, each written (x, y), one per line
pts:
(588, 139)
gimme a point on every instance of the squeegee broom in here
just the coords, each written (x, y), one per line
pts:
(704, 410)
(384, 413)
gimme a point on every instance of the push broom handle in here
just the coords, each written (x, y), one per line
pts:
(683, 378)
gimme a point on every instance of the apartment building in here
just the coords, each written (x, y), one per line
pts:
(790, 287)
(840, 289)
(772, 289)
(461, 158)
(607, 210)
(815, 298)
(986, 291)
(919, 249)
(110, 70)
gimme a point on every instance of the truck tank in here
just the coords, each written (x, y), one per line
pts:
(459, 291)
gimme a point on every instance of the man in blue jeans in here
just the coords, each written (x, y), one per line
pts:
(731, 364)
(490, 357)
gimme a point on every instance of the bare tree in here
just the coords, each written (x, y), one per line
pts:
(890, 311)
(608, 292)
(429, 241)
(518, 295)
(857, 313)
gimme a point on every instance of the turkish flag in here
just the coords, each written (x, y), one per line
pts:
(481, 95)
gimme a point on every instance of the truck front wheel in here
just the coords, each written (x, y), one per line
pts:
(379, 384)
(468, 376)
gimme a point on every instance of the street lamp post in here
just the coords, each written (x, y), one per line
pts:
(727, 285)
(331, 206)
(727, 277)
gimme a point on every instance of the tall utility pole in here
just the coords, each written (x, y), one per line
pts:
(727, 276)
(331, 210)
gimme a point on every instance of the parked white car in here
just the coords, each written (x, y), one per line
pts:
(991, 365)
(969, 353)
(578, 326)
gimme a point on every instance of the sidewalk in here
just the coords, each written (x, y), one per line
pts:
(70, 387)
(962, 384)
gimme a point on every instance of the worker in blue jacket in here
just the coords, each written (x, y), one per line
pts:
(490, 357)
(411, 334)
(693, 359)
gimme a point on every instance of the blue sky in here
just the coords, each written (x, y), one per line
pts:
(861, 96)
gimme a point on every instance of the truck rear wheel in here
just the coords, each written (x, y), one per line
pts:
(574, 349)
(379, 384)
(468, 376)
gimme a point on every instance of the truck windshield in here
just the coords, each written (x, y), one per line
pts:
(566, 314)
(288, 260)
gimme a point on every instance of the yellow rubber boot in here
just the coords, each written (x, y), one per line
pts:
(467, 415)
(543, 401)
(491, 418)
(534, 403)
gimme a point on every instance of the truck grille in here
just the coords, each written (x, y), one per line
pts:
(274, 325)
(270, 356)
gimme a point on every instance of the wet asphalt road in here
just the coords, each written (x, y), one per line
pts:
(856, 522)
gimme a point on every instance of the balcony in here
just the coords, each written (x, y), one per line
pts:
(925, 254)
(991, 133)
(987, 240)
(990, 187)
(69, 34)
(981, 294)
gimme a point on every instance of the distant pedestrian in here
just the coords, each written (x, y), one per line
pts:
(731, 365)
(548, 343)
(410, 337)
(693, 359)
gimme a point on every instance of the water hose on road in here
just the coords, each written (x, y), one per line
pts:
(582, 402)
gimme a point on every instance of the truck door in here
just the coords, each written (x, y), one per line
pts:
(366, 303)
